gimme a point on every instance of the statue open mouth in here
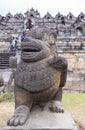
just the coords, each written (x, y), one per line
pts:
(30, 49)
(33, 51)
(30, 53)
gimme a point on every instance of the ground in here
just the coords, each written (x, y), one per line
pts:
(75, 104)
(6, 111)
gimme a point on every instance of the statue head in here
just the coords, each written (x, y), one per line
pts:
(39, 43)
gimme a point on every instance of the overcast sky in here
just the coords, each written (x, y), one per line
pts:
(43, 6)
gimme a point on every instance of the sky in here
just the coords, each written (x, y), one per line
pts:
(43, 6)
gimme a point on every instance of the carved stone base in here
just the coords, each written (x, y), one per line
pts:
(46, 120)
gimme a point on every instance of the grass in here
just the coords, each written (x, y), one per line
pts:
(74, 103)
(6, 96)
(6, 111)
(71, 101)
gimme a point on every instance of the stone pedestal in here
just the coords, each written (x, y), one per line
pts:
(46, 120)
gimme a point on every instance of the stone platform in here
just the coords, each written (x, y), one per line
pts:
(46, 120)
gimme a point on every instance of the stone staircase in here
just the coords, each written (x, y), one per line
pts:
(4, 59)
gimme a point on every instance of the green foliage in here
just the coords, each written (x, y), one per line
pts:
(6, 96)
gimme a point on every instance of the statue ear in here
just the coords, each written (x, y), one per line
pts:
(13, 62)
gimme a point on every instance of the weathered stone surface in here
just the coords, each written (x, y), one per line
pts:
(7, 77)
(76, 72)
(39, 77)
(67, 26)
(46, 120)
(4, 59)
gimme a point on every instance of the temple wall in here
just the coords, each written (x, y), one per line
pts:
(76, 71)
(70, 40)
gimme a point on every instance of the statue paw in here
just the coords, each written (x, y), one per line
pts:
(20, 116)
(56, 106)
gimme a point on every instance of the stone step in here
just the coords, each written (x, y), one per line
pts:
(4, 59)
(6, 63)
(4, 67)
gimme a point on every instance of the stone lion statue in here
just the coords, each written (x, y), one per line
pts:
(39, 77)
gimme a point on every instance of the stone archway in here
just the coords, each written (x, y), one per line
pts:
(79, 31)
